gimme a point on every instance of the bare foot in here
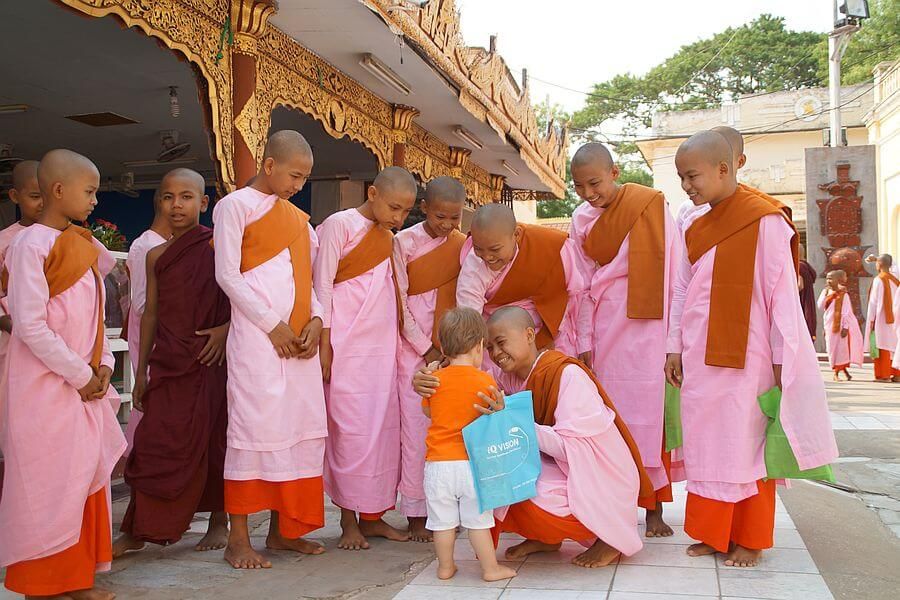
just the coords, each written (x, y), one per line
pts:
(895, 379)
(278, 542)
(125, 543)
(446, 572)
(381, 529)
(656, 527)
(417, 531)
(598, 555)
(241, 555)
(351, 538)
(847, 373)
(836, 378)
(700, 550)
(91, 594)
(498, 573)
(527, 547)
(742, 557)
(216, 536)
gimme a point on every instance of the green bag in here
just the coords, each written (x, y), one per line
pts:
(672, 418)
(780, 460)
(874, 352)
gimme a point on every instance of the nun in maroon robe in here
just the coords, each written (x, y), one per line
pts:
(808, 297)
(176, 466)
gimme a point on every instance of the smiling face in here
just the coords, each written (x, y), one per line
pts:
(495, 245)
(442, 216)
(595, 182)
(703, 180)
(287, 174)
(511, 346)
(181, 200)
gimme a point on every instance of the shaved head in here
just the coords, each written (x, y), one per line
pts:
(837, 274)
(593, 153)
(396, 180)
(23, 173)
(712, 146)
(193, 176)
(886, 261)
(733, 137)
(445, 189)
(494, 217)
(286, 143)
(511, 316)
(62, 165)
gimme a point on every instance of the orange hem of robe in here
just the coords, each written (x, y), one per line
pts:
(663, 494)
(749, 523)
(363, 516)
(534, 523)
(300, 503)
(73, 568)
(882, 364)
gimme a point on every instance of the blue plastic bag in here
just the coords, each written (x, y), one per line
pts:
(503, 453)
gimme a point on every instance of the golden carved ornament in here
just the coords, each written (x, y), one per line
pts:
(253, 126)
(403, 116)
(458, 159)
(250, 17)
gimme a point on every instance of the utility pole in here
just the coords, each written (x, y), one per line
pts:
(847, 16)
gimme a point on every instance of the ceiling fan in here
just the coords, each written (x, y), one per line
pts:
(171, 148)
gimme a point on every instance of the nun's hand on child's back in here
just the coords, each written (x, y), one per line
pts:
(424, 382)
(494, 401)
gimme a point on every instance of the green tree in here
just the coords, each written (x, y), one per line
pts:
(878, 40)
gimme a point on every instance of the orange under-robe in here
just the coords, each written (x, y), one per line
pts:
(298, 502)
(72, 568)
(882, 364)
(534, 523)
(749, 523)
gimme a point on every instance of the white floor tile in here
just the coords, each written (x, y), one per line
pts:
(550, 576)
(784, 521)
(680, 537)
(668, 555)
(469, 576)
(649, 596)
(427, 592)
(666, 580)
(866, 423)
(782, 560)
(463, 550)
(788, 538)
(773, 586)
(518, 594)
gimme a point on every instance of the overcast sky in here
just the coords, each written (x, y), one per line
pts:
(574, 43)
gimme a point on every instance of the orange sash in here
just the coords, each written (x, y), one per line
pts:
(72, 255)
(838, 299)
(732, 227)
(637, 210)
(284, 226)
(438, 269)
(544, 385)
(888, 304)
(376, 247)
(538, 274)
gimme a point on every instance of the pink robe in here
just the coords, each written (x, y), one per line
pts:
(587, 470)
(723, 426)
(628, 354)
(137, 276)
(276, 407)
(418, 320)
(841, 351)
(886, 336)
(895, 362)
(62, 449)
(6, 237)
(477, 284)
(362, 456)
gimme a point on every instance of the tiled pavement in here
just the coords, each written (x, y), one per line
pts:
(661, 570)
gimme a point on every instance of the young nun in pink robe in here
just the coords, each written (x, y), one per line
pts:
(429, 254)
(882, 318)
(843, 339)
(730, 508)
(55, 528)
(354, 281)
(627, 304)
(137, 277)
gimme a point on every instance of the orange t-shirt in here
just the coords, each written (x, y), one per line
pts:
(452, 408)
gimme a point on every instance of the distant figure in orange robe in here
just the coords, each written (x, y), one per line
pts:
(175, 468)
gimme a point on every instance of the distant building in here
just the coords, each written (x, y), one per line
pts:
(883, 123)
(777, 129)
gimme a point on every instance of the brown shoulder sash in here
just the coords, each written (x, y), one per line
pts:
(544, 384)
(637, 210)
(732, 227)
(73, 254)
(437, 270)
(376, 247)
(538, 274)
(886, 298)
(284, 226)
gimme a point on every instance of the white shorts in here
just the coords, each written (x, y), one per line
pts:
(450, 497)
